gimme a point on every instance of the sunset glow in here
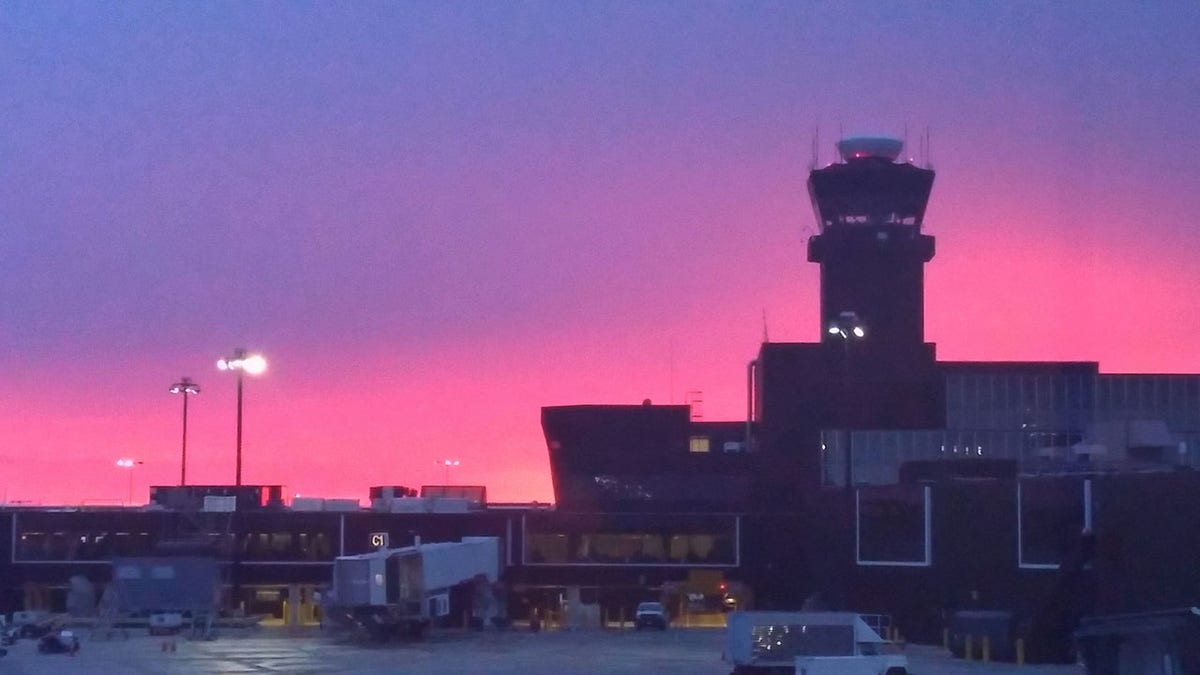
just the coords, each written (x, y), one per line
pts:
(434, 220)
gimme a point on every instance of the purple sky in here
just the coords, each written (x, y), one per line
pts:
(435, 218)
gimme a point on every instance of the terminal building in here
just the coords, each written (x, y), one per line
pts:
(867, 475)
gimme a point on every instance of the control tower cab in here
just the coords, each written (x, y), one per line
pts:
(869, 209)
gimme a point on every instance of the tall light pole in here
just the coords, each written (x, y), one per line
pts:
(129, 464)
(186, 387)
(253, 364)
(848, 327)
(448, 463)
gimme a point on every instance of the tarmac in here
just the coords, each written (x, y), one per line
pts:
(682, 651)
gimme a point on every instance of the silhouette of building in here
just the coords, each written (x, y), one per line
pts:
(866, 473)
(871, 472)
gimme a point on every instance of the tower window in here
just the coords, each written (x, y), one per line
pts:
(698, 444)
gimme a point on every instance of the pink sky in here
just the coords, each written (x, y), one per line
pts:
(435, 220)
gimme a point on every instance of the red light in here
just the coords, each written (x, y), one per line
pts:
(722, 586)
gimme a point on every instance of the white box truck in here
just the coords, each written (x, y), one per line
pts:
(808, 643)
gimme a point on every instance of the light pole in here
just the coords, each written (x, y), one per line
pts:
(129, 464)
(848, 327)
(448, 463)
(253, 364)
(186, 387)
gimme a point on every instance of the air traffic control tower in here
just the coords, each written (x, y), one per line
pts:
(872, 369)
(872, 253)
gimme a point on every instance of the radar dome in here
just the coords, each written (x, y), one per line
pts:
(862, 147)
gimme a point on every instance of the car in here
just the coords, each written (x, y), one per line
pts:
(651, 615)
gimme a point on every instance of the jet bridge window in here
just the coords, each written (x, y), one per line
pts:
(649, 539)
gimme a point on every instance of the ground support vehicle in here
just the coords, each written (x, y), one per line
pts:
(401, 591)
(808, 643)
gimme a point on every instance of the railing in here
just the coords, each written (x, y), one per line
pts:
(880, 623)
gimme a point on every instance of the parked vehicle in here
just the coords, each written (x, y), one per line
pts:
(32, 623)
(808, 643)
(60, 642)
(651, 615)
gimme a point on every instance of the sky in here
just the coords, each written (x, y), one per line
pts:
(433, 219)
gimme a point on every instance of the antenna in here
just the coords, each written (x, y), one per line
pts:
(906, 139)
(671, 371)
(766, 338)
(812, 164)
(928, 149)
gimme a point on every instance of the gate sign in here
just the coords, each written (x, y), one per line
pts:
(379, 539)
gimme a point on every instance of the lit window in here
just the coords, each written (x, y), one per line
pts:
(699, 444)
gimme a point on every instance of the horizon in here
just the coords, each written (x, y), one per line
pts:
(434, 221)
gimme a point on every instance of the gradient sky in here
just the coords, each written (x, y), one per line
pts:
(435, 218)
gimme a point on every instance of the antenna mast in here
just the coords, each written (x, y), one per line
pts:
(671, 371)
(928, 149)
(812, 164)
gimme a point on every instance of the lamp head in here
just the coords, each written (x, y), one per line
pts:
(254, 364)
(185, 386)
(848, 325)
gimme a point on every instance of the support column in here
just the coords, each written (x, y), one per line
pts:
(292, 616)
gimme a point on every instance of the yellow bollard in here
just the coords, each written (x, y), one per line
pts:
(1020, 651)
(985, 649)
(946, 639)
(968, 648)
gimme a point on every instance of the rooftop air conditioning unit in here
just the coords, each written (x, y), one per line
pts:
(220, 504)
